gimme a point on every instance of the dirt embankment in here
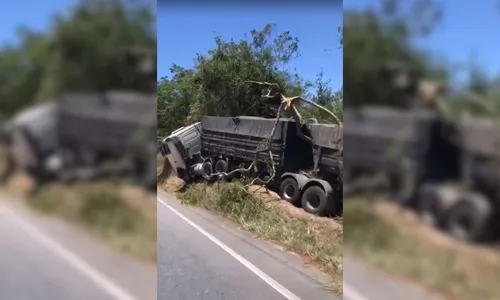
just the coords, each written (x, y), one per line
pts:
(394, 240)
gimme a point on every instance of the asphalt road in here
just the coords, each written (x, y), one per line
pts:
(364, 283)
(204, 257)
(201, 257)
(46, 259)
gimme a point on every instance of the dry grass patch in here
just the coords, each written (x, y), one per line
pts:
(20, 185)
(172, 184)
(394, 240)
(319, 240)
(122, 215)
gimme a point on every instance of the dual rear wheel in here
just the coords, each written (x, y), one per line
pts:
(466, 216)
(313, 199)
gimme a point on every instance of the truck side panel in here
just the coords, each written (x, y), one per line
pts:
(104, 123)
(240, 137)
(375, 132)
(327, 146)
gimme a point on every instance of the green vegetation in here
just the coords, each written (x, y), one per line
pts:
(127, 222)
(98, 45)
(316, 239)
(384, 36)
(217, 85)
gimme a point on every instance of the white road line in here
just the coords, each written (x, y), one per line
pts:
(99, 279)
(348, 292)
(266, 278)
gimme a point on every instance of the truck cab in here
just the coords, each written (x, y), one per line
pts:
(182, 148)
(32, 139)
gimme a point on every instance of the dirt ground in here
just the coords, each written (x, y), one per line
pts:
(393, 239)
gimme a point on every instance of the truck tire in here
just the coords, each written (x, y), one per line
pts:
(314, 201)
(221, 166)
(208, 168)
(181, 173)
(432, 201)
(469, 219)
(290, 191)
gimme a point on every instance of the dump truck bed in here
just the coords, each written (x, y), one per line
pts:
(481, 136)
(240, 137)
(373, 132)
(327, 145)
(105, 123)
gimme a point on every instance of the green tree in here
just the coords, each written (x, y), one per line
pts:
(378, 51)
(98, 45)
(218, 84)
(326, 97)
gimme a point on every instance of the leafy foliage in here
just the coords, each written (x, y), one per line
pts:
(374, 42)
(326, 97)
(218, 83)
(379, 48)
(99, 45)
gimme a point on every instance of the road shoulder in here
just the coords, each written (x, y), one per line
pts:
(284, 267)
(139, 277)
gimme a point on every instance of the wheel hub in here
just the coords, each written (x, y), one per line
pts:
(314, 201)
(289, 192)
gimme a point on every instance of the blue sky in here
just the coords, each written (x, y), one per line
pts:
(185, 30)
(36, 15)
(32, 14)
(469, 30)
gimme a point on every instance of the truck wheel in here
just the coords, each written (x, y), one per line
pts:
(289, 191)
(221, 166)
(208, 168)
(430, 205)
(184, 176)
(470, 218)
(314, 200)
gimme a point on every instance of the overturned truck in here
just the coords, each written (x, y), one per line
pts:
(302, 162)
(447, 171)
(84, 136)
